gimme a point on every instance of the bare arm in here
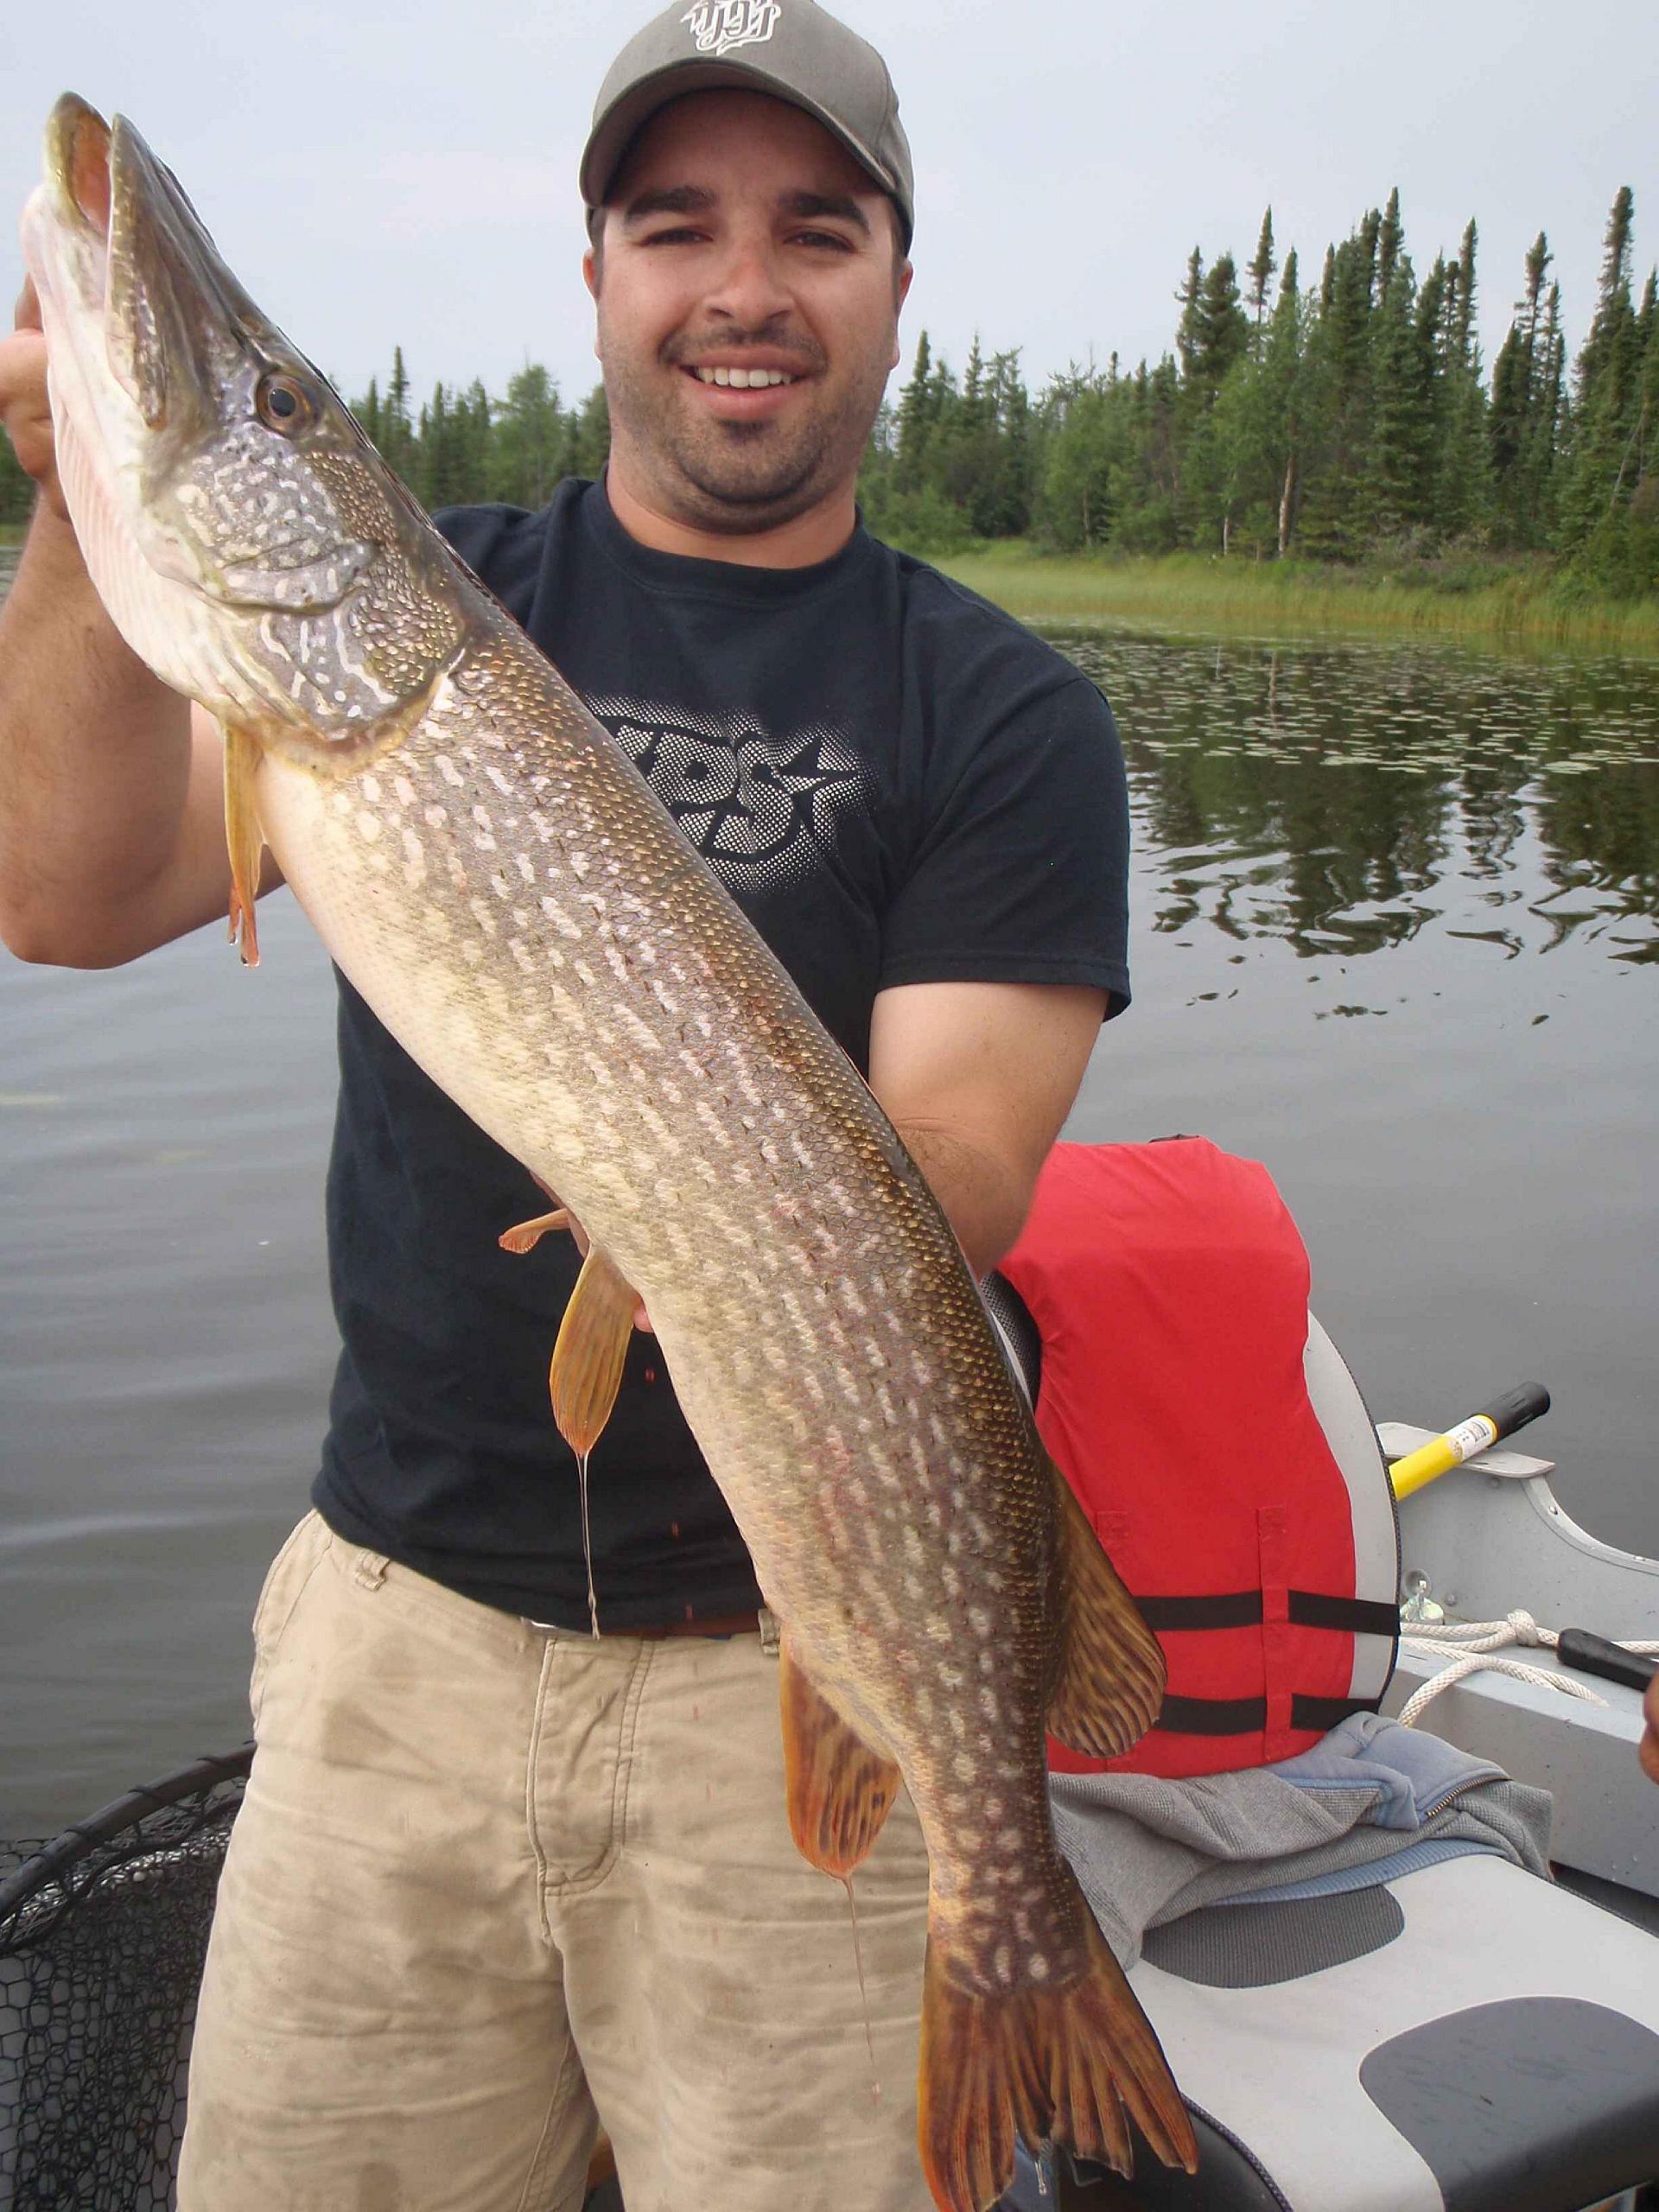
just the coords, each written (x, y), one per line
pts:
(977, 1078)
(111, 833)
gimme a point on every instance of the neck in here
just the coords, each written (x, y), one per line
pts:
(800, 543)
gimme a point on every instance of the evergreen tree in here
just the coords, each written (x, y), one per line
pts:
(1399, 467)
(587, 441)
(1462, 500)
(1339, 398)
(918, 408)
(397, 439)
(1259, 273)
(1605, 400)
(1525, 410)
(1390, 239)
(1186, 331)
(527, 451)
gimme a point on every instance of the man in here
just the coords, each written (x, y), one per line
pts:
(496, 1878)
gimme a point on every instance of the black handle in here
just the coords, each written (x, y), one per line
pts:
(1527, 1402)
(1594, 1655)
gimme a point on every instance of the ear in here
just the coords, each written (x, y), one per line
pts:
(901, 293)
(590, 272)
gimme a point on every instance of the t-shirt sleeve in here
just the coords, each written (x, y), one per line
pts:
(1021, 874)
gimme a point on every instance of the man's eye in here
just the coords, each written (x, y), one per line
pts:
(831, 239)
(683, 236)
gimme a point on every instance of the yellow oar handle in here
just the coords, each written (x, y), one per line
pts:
(1478, 1434)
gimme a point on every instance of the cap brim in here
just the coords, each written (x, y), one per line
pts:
(617, 128)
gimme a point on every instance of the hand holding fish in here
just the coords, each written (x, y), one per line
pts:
(25, 406)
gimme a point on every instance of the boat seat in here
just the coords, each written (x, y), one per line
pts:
(1466, 2038)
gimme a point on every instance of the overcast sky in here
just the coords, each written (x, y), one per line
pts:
(377, 174)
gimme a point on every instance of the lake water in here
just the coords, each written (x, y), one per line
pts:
(1397, 933)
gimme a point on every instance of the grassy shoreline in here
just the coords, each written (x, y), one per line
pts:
(1485, 603)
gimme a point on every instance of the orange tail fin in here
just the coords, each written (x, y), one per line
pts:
(1066, 2063)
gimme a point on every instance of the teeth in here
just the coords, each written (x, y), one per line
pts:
(744, 379)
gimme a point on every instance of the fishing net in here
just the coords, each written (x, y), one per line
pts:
(102, 1937)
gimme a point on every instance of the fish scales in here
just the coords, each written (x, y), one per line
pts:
(682, 1220)
(493, 875)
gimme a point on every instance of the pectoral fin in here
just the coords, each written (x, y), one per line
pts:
(1111, 1681)
(244, 836)
(839, 1790)
(593, 1344)
(525, 1236)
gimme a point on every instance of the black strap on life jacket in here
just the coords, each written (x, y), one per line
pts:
(1248, 1716)
(1243, 1609)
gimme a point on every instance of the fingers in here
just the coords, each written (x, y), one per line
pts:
(25, 408)
(1648, 1748)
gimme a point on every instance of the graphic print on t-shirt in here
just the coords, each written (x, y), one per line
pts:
(761, 809)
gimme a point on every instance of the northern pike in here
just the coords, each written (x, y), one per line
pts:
(491, 872)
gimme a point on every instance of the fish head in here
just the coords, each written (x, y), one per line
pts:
(247, 540)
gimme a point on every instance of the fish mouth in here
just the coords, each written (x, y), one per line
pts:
(78, 164)
(115, 229)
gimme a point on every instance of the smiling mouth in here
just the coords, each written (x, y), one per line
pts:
(741, 380)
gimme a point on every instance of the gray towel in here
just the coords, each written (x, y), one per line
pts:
(1371, 1797)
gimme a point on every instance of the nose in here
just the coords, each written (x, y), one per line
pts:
(750, 288)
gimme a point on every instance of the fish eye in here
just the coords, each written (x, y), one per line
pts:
(283, 404)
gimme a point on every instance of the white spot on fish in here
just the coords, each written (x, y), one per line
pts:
(450, 774)
(1037, 1967)
(368, 826)
(437, 816)
(369, 787)
(404, 790)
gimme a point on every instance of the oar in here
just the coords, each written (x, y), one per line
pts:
(1478, 1434)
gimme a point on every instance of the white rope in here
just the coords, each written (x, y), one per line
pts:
(1477, 1642)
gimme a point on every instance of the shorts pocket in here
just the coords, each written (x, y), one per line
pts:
(289, 1572)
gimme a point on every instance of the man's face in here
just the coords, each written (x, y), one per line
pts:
(740, 237)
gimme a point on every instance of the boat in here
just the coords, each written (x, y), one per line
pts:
(1462, 2037)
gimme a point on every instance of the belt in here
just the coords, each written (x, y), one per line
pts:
(715, 1625)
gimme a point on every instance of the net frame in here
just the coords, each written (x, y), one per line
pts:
(103, 1932)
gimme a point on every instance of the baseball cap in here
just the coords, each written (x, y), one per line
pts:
(793, 49)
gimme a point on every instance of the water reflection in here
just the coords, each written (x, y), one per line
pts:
(1329, 796)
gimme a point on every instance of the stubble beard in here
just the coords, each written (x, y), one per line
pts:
(737, 477)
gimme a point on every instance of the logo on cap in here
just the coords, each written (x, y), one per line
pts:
(719, 25)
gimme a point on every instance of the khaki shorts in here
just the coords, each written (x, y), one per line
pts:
(493, 1887)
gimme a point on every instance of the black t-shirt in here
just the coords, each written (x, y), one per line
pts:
(899, 784)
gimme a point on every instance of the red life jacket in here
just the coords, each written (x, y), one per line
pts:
(1169, 1286)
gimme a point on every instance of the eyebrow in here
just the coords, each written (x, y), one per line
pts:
(806, 205)
(671, 200)
(697, 199)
